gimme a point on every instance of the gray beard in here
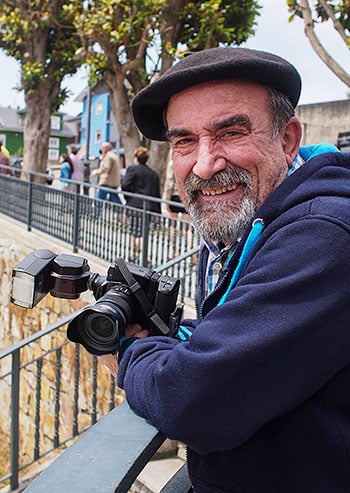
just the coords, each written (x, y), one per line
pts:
(218, 222)
(221, 221)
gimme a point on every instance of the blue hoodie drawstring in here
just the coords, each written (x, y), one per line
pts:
(253, 237)
(184, 333)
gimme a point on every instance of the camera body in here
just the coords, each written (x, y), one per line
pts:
(129, 294)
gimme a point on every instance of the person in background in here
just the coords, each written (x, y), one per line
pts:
(177, 211)
(66, 172)
(108, 174)
(4, 150)
(143, 180)
(78, 168)
(257, 385)
(5, 168)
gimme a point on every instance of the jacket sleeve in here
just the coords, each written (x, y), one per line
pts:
(282, 333)
(105, 166)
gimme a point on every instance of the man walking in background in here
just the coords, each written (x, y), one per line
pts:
(108, 176)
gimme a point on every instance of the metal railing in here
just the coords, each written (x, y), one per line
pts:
(39, 365)
(45, 356)
(103, 228)
(119, 446)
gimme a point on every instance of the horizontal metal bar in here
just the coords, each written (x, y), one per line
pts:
(37, 335)
(107, 458)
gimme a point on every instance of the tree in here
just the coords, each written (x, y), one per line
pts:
(127, 42)
(41, 36)
(316, 12)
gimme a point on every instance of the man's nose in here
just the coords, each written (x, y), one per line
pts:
(208, 161)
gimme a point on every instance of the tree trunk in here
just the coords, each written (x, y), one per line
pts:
(37, 126)
(129, 134)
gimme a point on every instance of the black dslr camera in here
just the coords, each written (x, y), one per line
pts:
(128, 294)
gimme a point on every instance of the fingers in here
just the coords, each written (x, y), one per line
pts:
(135, 330)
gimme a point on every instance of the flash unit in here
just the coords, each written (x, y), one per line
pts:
(30, 278)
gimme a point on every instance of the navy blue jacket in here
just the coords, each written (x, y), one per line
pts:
(260, 393)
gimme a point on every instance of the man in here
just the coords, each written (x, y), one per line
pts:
(108, 173)
(259, 391)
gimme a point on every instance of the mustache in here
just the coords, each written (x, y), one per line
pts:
(229, 175)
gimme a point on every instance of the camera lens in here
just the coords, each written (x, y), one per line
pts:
(99, 327)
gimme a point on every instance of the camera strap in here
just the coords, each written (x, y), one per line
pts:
(141, 297)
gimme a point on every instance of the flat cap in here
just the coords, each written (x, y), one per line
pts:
(212, 64)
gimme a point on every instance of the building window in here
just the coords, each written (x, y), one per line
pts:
(53, 155)
(55, 123)
(99, 108)
(98, 136)
(54, 142)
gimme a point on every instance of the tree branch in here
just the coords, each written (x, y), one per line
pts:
(318, 47)
(337, 25)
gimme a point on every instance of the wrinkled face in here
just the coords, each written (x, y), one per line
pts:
(225, 160)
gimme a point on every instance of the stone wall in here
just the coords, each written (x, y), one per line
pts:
(17, 323)
(323, 121)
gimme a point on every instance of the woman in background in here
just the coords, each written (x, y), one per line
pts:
(66, 172)
(143, 180)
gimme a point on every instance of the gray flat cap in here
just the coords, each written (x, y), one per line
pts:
(213, 64)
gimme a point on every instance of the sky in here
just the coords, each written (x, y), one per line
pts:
(273, 33)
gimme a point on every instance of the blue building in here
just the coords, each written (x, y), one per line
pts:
(97, 122)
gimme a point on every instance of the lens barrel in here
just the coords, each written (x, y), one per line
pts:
(99, 327)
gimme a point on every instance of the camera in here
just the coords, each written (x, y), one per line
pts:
(129, 294)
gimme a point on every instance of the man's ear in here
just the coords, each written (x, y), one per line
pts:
(291, 137)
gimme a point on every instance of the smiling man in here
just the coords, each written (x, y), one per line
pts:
(257, 385)
(226, 158)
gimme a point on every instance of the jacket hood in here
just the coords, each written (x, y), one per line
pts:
(327, 175)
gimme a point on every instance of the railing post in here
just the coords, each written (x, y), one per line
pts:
(15, 419)
(145, 232)
(75, 430)
(39, 366)
(76, 217)
(30, 201)
(94, 391)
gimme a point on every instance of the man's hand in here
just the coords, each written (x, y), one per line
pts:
(110, 360)
(135, 330)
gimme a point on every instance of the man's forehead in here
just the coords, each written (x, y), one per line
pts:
(230, 87)
(223, 103)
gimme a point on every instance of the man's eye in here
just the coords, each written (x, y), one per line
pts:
(231, 133)
(182, 142)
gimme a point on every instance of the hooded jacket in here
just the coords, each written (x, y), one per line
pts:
(260, 391)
